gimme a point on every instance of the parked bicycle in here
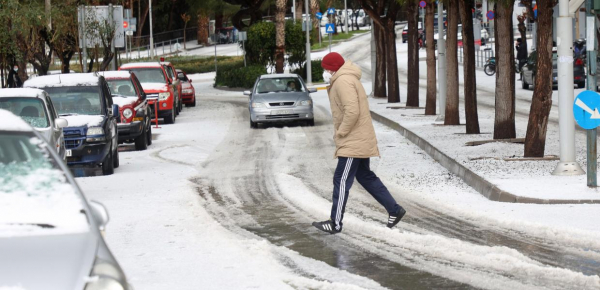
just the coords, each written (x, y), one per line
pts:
(490, 66)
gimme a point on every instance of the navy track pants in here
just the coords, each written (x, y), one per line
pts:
(347, 169)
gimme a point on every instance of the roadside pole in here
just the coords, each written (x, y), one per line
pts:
(215, 55)
(591, 45)
(151, 34)
(308, 62)
(441, 44)
(346, 11)
(329, 42)
(294, 11)
(373, 60)
(112, 44)
(83, 36)
(567, 165)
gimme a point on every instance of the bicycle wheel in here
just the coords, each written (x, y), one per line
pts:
(489, 69)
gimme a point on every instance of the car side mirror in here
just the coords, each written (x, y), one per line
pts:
(141, 113)
(115, 112)
(143, 96)
(247, 93)
(100, 214)
(190, 80)
(61, 123)
(312, 90)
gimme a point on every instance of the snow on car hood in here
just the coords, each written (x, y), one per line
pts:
(10, 122)
(124, 101)
(155, 86)
(281, 97)
(84, 120)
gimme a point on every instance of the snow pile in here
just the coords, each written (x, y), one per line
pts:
(21, 92)
(10, 122)
(63, 80)
(84, 120)
(122, 101)
(36, 199)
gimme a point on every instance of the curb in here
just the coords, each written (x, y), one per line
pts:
(484, 187)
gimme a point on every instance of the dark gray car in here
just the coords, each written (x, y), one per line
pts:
(530, 70)
(280, 98)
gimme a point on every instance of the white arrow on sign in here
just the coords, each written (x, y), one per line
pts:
(595, 114)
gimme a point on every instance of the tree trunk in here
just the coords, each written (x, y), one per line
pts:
(299, 8)
(535, 140)
(504, 121)
(381, 65)
(314, 8)
(466, 16)
(279, 35)
(451, 116)
(391, 59)
(203, 21)
(412, 93)
(431, 73)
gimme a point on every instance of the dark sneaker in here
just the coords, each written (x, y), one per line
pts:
(327, 226)
(393, 219)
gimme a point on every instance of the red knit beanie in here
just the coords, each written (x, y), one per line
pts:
(332, 61)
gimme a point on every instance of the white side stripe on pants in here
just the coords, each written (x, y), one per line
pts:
(342, 193)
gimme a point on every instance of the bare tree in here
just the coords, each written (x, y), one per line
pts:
(451, 116)
(431, 72)
(412, 93)
(468, 40)
(280, 35)
(504, 121)
(535, 140)
(186, 18)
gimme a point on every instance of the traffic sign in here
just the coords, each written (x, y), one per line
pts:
(319, 15)
(422, 4)
(125, 24)
(490, 15)
(330, 11)
(329, 28)
(585, 109)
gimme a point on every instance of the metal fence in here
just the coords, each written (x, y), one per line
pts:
(142, 41)
(481, 56)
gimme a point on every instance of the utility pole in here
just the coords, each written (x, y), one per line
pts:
(308, 63)
(592, 46)
(373, 59)
(294, 11)
(346, 12)
(112, 43)
(567, 165)
(151, 35)
(84, 39)
(441, 44)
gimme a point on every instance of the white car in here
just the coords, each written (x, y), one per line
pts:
(36, 108)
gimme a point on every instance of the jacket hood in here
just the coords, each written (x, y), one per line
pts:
(348, 68)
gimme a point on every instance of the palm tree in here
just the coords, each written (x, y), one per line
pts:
(468, 39)
(412, 94)
(451, 116)
(504, 121)
(431, 77)
(279, 35)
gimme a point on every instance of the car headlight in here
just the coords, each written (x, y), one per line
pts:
(95, 131)
(127, 113)
(304, 103)
(105, 276)
(258, 105)
(163, 96)
(187, 91)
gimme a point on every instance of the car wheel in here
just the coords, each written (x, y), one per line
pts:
(170, 119)
(141, 142)
(194, 103)
(149, 135)
(524, 83)
(310, 122)
(116, 162)
(253, 124)
(108, 165)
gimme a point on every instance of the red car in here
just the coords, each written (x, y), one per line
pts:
(172, 74)
(188, 93)
(135, 126)
(158, 88)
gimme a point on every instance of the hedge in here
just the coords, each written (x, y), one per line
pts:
(316, 71)
(235, 75)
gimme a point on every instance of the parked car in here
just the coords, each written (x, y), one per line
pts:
(530, 69)
(136, 124)
(91, 139)
(188, 92)
(362, 19)
(51, 235)
(280, 98)
(158, 88)
(35, 107)
(405, 31)
(172, 74)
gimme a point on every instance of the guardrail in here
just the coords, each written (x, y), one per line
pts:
(481, 56)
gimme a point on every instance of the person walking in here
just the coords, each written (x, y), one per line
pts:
(14, 81)
(521, 54)
(355, 143)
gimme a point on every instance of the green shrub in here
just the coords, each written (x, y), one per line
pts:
(315, 69)
(235, 75)
(196, 64)
(260, 47)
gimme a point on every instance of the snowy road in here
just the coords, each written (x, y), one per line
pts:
(214, 204)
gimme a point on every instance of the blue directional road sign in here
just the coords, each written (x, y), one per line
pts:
(329, 28)
(585, 109)
(330, 11)
(319, 15)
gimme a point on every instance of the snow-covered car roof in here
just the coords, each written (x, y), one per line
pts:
(275, 76)
(141, 64)
(115, 74)
(11, 122)
(63, 80)
(165, 62)
(21, 93)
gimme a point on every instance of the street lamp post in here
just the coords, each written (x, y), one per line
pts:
(346, 12)
(441, 44)
(151, 35)
(308, 63)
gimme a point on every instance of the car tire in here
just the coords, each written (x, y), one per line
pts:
(524, 83)
(141, 142)
(194, 103)
(311, 122)
(149, 136)
(170, 119)
(108, 166)
(581, 85)
(253, 125)
(116, 161)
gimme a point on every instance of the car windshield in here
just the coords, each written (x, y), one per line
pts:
(80, 100)
(276, 85)
(32, 110)
(123, 87)
(149, 75)
(35, 195)
(182, 77)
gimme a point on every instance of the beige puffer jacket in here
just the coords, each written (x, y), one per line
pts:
(354, 133)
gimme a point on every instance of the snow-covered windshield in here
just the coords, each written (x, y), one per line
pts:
(123, 87)
(276, 85)
(149, 75)
(80, 100)
(31, 110)
(35, 196)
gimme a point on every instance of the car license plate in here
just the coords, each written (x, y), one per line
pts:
(281, 112)
(68, 153)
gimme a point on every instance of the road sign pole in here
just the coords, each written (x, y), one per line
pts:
(244, 48)
(441, 44)
(592, 158)
(592, 45)
(346, 12)
(308, 62)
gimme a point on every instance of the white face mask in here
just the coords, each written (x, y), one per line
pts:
(327, 76)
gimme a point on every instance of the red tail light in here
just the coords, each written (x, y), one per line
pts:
(579, 61)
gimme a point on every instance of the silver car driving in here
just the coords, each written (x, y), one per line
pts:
(36, 108)
(50, 235)
(280, 98)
